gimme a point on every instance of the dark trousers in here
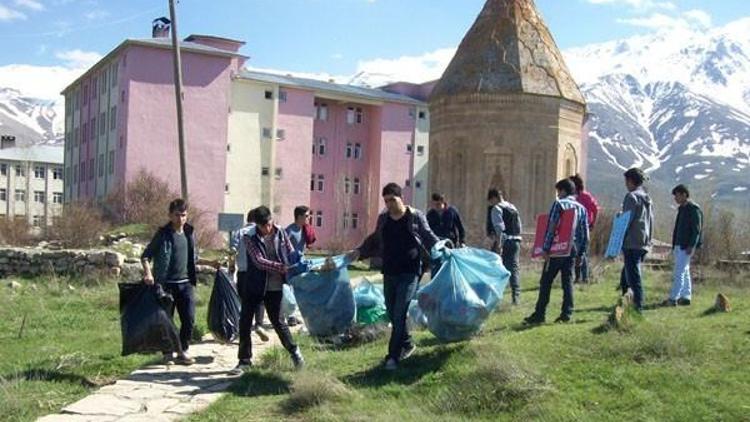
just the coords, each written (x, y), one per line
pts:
(631, 276)
(564, 266)
(250, 302)
(184, 301)
(582, 269)
(259, 312)
(511, 256)
(399, 290)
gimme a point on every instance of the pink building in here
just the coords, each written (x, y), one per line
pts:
(252, 138)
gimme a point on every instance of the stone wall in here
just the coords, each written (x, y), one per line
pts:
(38, 261)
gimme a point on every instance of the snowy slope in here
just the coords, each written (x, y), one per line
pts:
(30, 120)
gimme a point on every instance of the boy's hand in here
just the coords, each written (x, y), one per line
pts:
(148, 279)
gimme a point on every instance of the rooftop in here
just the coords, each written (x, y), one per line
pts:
(36, 153)
(372, 94)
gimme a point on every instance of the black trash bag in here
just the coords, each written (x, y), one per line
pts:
(144, 320)
(224, 309)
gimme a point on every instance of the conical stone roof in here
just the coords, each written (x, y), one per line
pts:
(508, 50)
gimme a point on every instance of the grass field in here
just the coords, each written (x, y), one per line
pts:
(674, 364)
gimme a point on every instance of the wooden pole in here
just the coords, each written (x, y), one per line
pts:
(178, 98)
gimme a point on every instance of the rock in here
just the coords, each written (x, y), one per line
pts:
(114, 259)
(14, 285)
(115, 272)
(71, 288)
(722, 303)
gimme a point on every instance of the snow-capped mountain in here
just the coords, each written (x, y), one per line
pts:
(31, 120)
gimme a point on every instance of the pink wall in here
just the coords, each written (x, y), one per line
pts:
(398, 131)
(151, 141)
(294, 153)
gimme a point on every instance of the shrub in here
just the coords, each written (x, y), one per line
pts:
(80, 226)
(16, 232)
(311, 389)
(144, 200)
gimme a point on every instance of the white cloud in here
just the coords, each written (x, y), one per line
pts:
(96, 14)
(78, 58)
(638, 4)
(690, 20)
(422, 68)
(7, 14)
(30, 4)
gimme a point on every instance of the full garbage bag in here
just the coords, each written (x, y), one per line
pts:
(415, 318)
(144, 321)
(224, 309)
(288, 301)
(463, 293)
(370, 302)
(325, 298)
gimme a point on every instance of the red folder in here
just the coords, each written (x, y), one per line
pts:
(562, 244)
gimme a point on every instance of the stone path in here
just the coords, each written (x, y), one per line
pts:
(163, 393)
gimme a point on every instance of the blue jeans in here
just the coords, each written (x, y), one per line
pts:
(511, 256)
(565, 267)
(399, 291)
(184, 302)
(682, 286)
(631, 275)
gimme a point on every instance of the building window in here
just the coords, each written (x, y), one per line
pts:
(422, 115)
(409, 148)
(92, 126)
(113, 74)
(319, 219)
(75, 137)
(280, 134)
(360, 116)
(226, 188)
(321, 146)
(92, 169)
(39, 172)
(57, 198)
(349, 150)
(350, 116)
(321, 182)
(3, 194)
(269, 95)
(267, 133)
(20, 195)
(420, 150)
(346, 220)
(357, 151)
(75, 173)
(39, 196)
(101, 165)
(356, 185)
(85, 94)
(265, 171)
(36, 221)
(321, 112)
(418, 184)
(93, 88)
(102, 123)
(282, 96)
(111, 163)
(113, 118)
(277, 209)
(278, 173)
(3, 169)
(84, 133)
(407, 183)
(355, 221)
(103, 82)
(229, 147)
(347, 185)
(412, 112)
(312, 183)
(20, 171)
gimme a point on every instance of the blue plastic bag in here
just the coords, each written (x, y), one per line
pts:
(415, 318)
(463, 293)
(325, 299)
(370, 302)
(288, 301)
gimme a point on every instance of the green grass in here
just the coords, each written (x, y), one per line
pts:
(672, 364)
(69, 346)
(139, 231)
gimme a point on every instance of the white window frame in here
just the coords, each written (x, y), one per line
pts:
(350, 115)
(349, 150)
(347, 185)
(321, 183)
(39, 172)
(39, 197)
(57, 197)
(278, 173)
(20, 195)
(319, 219)
(3, 194)
(280, 134)
(356, 186)
(420, 150)
(267, 133)
(57, 173)
(357, 151)
(355, 221)
(322, 146)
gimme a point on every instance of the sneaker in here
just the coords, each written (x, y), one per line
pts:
(562, 319)
(167, 359)
(262, 334)
(533, 319)
(669, 303)
(684, 302)
(391, 364)
(241, 368)
(292, 321)
(184, 359)
(406, 352)
(516, 301)
(297, 359)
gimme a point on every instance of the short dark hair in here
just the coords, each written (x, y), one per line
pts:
(438, 197)
(566, 185)
(494, 194)
(179, 205)
(578, 181)
(392, 189)
(681, 189)
(251, 216)
(300, 211)
(636, 175)
(261, 215)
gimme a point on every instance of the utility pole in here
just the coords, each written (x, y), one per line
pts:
(178, 97)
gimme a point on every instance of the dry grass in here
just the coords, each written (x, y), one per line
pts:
(80, 226)
(311, 389)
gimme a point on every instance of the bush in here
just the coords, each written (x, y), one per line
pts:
(16, 231)
(80, 226)
(724, 236)
(144, 200)
(311, 389)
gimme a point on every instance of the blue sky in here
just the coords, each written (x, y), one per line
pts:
(316, 36)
